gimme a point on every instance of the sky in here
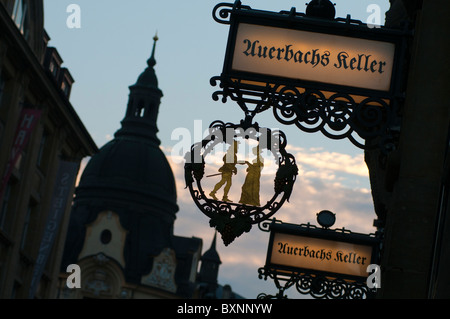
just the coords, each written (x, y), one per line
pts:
(109, 51)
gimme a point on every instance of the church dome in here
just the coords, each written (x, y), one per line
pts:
(130, 170)
(130, 182)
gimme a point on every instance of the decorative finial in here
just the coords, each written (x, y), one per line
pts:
(151, 62)
(321, 9)
(326, 219)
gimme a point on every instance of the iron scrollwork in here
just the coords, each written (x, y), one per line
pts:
(317, 286)
(370, 118)
(368, 122)
(233, 219)
(222, 11)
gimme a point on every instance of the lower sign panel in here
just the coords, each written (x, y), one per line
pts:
(295, 251)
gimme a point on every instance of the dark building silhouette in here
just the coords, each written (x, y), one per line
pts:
(39, 130)
(121, 231)
(209, 271)
(410, 186)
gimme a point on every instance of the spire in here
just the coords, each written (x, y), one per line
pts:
(209, 270)
(213, 244)
(212, 255)
(148, 78)
(152, 62)
(143, 103)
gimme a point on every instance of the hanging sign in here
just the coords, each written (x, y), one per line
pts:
(226, 171)
(337, 76)
(312, 56)
(320, 254)
(291, 49)
(315, 250)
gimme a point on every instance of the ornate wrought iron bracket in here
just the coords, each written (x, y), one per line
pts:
(368, 123)
(233, 219)
(369, 118)
(317, 284)
(318, 287)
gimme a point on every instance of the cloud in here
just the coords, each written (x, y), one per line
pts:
(319, 158)
(326, 180)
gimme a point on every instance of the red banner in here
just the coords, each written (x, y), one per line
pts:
(28, 120)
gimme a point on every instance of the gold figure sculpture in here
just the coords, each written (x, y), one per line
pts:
(251, 186)
(227, 171)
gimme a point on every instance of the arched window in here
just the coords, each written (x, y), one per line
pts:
(20, 16)
(140, 109)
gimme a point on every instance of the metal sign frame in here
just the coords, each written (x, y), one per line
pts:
(320, 284)
(232, 219)
(303, 23)
(359, 114)
(309, 231)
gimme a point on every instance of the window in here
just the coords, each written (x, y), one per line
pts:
(140, 110)
(26, 226)
(4, 207)
(54, 68)
(105, 236)
(20, 16)
(18, 165)
(2, 87)
(65, 86)
(42, 148)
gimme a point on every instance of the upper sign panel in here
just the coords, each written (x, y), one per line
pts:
(312, 56)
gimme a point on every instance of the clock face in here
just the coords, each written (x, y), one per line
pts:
(326, 218)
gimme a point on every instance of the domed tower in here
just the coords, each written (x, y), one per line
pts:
(125, 205)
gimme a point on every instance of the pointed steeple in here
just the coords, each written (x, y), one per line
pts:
(210, 264)
(211, 255)
(143, 104)
(152, 62)
(209, 271)
(148, 77)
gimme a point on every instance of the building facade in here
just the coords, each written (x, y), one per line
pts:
(410, 185)
(121, 231)
(40, 132)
